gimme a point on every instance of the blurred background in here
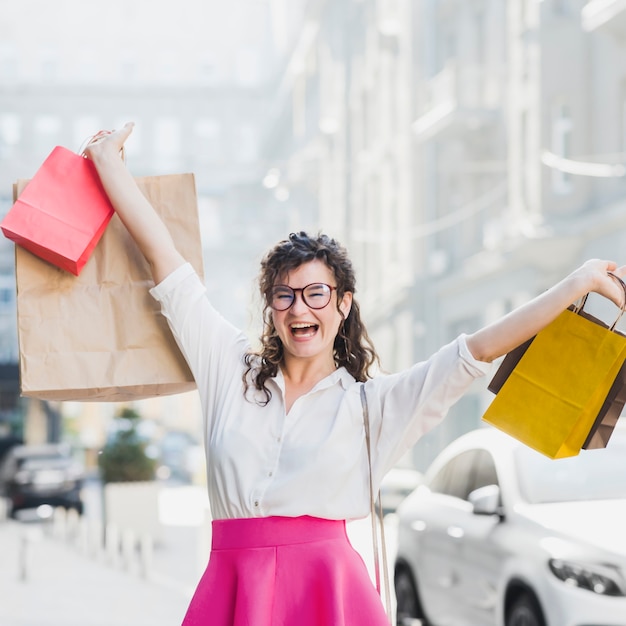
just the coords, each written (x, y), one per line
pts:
(468, 153)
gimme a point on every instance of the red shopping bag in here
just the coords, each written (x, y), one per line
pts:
(62, 213)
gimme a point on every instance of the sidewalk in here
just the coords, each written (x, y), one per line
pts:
(56, 585)
(47, 579)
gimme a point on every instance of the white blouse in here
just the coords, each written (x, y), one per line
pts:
(262, 461)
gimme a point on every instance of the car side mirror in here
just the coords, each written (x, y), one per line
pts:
(486, 501)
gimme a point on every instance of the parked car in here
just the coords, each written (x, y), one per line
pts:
(499, 534)
(397, 484)
(180, 457)
(44, 474)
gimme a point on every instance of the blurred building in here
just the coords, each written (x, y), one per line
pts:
(196, 77)
(520, 136)
(469, 153)
(339, 144)
(389, 132)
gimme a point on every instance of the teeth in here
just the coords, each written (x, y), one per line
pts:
(303, 325)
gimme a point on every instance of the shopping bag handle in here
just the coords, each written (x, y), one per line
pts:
(94, 138)
(578, 309)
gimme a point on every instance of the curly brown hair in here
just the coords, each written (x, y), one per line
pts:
(353, 349)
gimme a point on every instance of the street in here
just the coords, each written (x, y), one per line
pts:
(51, 575)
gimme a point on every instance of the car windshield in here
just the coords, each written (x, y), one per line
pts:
(44, 462)
(592, 475)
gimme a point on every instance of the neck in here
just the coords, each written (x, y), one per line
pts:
(300, 371)
(301, 375)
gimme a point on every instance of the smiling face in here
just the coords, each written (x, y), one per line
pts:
(305, 332)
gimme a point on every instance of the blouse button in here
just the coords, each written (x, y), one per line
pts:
(256, 503)
(270, 473)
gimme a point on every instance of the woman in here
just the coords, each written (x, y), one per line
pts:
(286, 456)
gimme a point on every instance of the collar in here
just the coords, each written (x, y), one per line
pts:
(340, 376)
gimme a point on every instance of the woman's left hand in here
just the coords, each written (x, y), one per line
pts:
(597, 274)
(501, 336)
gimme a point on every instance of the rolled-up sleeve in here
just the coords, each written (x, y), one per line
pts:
(212, 346)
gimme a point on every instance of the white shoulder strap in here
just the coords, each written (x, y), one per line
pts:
(373, 507)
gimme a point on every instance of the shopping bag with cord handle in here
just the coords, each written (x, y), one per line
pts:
(563, 390)
(63, 211)
(100, 336)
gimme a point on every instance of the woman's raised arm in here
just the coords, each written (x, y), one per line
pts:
(510, 331)
(137, 214)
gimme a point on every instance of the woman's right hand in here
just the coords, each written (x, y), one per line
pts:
(136, 213)
(108, 142)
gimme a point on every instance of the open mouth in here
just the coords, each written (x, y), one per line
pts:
(303, 330)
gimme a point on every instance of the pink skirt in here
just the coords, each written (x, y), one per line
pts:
(282, 571)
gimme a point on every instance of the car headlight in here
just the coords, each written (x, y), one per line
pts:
(601, 580)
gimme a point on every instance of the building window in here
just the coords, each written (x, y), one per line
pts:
(167, 143)
(526, 165)
(562, 146)
(169, 71)
(6, 296)
(480, 25)
(445, 46)
(87, 67)
(47, 133)
(622, 146)
(207, 137)
(299, 107)
(128, 67)
(8, 62)
(207, 69)
(49, 65)
(247, 144)
(247, 67)
(10, 133)
(83, 129)
(526, 12)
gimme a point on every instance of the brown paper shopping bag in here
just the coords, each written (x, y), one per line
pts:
(100, 336)
(563, 390)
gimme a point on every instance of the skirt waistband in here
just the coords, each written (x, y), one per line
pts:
(256, 532)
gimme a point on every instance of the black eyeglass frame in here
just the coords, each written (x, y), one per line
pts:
(293, 291)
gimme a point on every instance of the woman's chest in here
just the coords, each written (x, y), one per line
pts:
(314, 431)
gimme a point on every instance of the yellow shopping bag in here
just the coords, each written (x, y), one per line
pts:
(559, 390)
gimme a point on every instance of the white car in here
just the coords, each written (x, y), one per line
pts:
(501, 535)
(397, 484)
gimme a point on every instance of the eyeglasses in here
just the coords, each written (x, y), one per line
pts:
(315, 296)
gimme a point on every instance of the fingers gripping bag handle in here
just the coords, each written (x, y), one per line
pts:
(564, 386)
(62, 212)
